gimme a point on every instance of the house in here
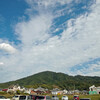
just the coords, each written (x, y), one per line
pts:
(40, 89)
(5, 90)
(39, 92)
(94, 90)
(14, 88)
(70, 92)
(76, 92)
(28, 91)
(55, 91)
(33, 92)
(65, 91)
(84, 92)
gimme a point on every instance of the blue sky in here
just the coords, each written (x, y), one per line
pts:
(11, 12)
(54, 35)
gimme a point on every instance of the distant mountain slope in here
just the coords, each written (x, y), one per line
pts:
(58, 79)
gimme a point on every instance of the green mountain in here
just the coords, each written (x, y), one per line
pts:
(50, 80)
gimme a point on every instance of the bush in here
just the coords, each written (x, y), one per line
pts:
(2, 93)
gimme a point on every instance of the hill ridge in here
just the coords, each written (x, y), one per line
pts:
(49, 79)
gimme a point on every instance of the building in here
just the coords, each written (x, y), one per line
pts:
(94, 90)
(14, 88)
(65, 91)
(55, 91)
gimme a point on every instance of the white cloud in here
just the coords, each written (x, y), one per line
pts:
(7, 47)
(35, 30)
(45, 6)
(46, 3)
(91, 70)
(40, 51)
(1, 63)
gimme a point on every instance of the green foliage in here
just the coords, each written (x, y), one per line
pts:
(18, 92)
(49, 79)
(2, 93)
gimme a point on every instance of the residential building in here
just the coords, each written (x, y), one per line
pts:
(94, 90)
(14, 88)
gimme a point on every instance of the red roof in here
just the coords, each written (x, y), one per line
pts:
(4, 89)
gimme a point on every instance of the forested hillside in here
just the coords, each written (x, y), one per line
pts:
(50, 80)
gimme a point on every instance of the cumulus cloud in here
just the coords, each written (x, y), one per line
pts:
(40, 50)
(7, 47)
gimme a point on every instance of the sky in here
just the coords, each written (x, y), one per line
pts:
(49, 35)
